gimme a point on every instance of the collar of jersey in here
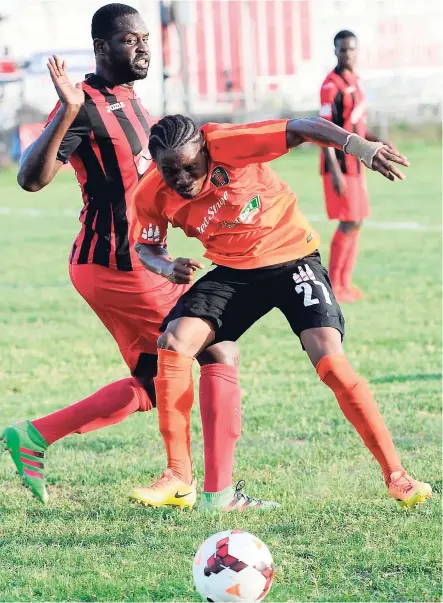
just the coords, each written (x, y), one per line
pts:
(92, 78)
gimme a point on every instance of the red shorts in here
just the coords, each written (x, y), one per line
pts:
(131, 305)
(354, 206)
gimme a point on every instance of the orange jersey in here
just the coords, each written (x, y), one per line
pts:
(245, 216)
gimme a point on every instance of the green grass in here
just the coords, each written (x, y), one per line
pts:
(338, 535)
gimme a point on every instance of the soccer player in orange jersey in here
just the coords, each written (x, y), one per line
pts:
(101, 127)
(215, 185)
(344, 181)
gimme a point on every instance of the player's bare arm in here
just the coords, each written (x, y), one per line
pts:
(154, 258)
(39, 163)
(338, 181)
(375, 155)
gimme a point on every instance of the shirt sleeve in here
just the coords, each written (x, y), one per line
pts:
(150, 227)
(328, 93)
(240, 145)
(79, 130)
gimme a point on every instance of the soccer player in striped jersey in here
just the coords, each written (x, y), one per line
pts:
(343, 102)
(215, 185)
(101, 127)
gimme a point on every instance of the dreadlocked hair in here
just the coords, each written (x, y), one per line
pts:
(172, 132)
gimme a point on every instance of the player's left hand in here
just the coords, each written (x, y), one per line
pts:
(383, 159)
(182, 271)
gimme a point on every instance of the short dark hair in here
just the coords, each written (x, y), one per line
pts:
(171, 132)
(102, 25)
(343, 34)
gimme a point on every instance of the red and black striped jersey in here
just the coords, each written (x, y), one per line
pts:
(343, 102)
(107, 145)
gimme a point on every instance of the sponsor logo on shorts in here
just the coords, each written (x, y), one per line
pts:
(304, 274)
(152, 234)
(219, 176)
(247, 214)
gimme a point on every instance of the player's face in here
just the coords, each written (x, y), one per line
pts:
(127, 51)
(346, 53)
(184, 169)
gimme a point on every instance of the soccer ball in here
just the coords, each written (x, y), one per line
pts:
(233, 566)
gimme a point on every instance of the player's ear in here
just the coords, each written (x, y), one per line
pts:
(99, 46)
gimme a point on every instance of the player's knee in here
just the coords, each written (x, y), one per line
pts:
(337, 373)
(348, 227)
(169, 341)
(225, 352)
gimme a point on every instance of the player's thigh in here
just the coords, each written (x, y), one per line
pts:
(321, 341)
(305, 297)
(131, 305)
(225, 298)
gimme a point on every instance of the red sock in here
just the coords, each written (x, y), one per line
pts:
(350, 259)
(338, 253)
(220, 409)
(110, 404)
(360, 408)
(174, 388)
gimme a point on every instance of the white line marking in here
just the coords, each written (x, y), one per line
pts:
(43, 212)
(405, 226)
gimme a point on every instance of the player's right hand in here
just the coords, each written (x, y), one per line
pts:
(339, 183)
(383, 160)
(183, 271)
(68, 93)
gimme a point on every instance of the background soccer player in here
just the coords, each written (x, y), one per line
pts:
(216, 186)
(101, 127)
(343, 102)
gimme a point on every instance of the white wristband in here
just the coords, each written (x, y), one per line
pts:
(363, 149)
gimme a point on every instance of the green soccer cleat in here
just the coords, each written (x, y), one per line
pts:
(27, 448)
(407, 491)
(231, 499)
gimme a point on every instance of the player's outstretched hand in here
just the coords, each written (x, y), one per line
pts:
(183, 270)
(383, 159)
(67, 92)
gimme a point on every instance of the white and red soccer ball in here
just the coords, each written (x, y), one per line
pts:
(233, 566)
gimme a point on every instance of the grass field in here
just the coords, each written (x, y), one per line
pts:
(338, 535)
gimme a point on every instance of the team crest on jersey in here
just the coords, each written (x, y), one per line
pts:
(219, 176)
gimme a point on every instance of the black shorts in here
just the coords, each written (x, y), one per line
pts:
(233, 300)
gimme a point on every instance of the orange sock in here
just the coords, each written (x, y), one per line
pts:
(360, 408)
(350, 260)
(175, 394)
(337, 257)
(109, 405)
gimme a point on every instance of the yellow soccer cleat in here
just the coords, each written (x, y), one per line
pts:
(168, 491)
(407, 491)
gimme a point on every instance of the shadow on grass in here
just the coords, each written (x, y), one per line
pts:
(405, 378)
